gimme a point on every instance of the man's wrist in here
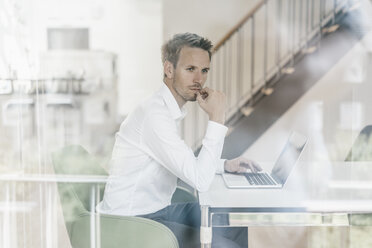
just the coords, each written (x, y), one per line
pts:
(217, 118)
(225, 166)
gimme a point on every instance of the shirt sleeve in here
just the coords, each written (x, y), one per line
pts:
(165, 145)
(221, 166)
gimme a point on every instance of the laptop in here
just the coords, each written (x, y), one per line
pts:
(280, 171)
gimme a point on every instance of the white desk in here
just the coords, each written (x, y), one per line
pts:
(312, 188)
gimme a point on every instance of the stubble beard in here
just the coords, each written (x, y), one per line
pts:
(185, 97)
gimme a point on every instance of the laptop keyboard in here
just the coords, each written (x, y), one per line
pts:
(259, 179)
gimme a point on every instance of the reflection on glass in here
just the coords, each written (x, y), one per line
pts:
(351, 115)
(288, 157)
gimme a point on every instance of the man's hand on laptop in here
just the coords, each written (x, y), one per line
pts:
(241, 165)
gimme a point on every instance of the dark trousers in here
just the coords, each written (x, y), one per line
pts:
(183, 219)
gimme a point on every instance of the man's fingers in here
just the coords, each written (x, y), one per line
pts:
(206, 90)
(203, 94)
(199, 97)
(244, 167)
(249, 164)
(252, 168)
(242, 170)
(257, 166)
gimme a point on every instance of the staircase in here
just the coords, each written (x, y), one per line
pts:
(263, 49)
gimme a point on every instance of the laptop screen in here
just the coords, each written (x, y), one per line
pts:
(288, 158)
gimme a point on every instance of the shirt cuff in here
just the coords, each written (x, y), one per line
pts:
(220, 166)
(215, 131)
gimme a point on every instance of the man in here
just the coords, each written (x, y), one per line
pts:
(149, 154)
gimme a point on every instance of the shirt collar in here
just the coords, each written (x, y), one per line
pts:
(176, 112)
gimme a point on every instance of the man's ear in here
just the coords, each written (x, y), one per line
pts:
(168, 69)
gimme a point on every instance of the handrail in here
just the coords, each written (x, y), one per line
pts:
(236, 70)
(238, 25)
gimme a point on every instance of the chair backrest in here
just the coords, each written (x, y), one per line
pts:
(75, 197)
(182, 195)
(362, 147)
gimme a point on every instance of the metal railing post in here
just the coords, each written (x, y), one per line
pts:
(252, 60)
(266, 43)
(222, 66)
(224, 82)
(300, 26)
(92, 217)
(288, 28)
(278, 37)
(205, 228)
(240, 60)
(312, 15)
(97, 216)
(293, 31)
(307, 24)
(229, 73)
(320, 21)
(334, 11)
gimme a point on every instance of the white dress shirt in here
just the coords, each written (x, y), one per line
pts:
(149, 155)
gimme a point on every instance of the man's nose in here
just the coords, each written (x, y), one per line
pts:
(197, 77)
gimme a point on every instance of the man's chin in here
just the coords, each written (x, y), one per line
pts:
(193, 99)
(190, 98)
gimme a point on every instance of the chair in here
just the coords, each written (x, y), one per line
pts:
(362, 147)
(182, 194)
(361, 151)
(115, 231)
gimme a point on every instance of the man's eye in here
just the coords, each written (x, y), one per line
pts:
(205, 70)
(190, 69)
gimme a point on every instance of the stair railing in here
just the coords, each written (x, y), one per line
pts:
(258, 50)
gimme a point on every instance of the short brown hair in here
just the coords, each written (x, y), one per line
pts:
(171, 49)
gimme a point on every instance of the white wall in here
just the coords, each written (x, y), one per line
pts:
(209, 18)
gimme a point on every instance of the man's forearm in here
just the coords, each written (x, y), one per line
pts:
(219, 118)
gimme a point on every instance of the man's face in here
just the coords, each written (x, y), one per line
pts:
(190, 74)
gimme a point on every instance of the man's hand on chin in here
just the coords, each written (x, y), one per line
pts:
(213, 103)
(241, 165)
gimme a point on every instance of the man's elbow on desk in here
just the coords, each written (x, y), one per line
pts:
(204, 185)
(203, 188)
